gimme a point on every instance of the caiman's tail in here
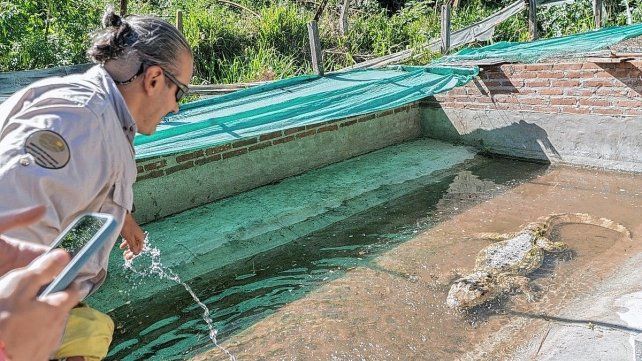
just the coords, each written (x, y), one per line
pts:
(583, 218)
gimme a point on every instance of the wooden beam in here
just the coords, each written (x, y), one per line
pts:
(123, 7)
(315, 47)
(445, 28)
(343, 18)
(597, 13)
(317, 16)
(532, 19)
(179, 20)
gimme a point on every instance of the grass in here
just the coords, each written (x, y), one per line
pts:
(234, 45)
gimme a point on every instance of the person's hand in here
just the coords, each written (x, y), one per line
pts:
(133, 237)
(14, 253)
(32, 327)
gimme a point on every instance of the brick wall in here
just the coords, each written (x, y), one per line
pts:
(563, 88)
(166, 165)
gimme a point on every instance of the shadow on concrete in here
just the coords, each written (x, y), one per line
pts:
(519, 140)
(633, 80)
(583, 322)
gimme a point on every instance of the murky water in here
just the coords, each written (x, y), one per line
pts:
(393, 306)
(169, 326)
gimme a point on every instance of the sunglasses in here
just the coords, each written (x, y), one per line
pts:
(182, 88)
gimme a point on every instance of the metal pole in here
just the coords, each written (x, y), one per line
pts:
(445, 28)
(315, 47)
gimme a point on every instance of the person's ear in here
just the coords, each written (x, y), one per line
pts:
(154, 80)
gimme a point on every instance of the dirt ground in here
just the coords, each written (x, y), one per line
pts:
(395, 310)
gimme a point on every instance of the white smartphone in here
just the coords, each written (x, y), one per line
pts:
(81, 239)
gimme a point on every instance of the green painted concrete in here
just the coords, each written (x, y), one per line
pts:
(210, 237)
(159, 197)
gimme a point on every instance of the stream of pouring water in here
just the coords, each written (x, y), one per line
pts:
(157, 268)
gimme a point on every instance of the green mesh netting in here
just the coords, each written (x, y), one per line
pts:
(532, 52)
(295, 102)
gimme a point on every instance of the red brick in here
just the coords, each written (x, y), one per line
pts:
(179, 167)
(152, 174)
(218, 149)
(328, 128)
(583, 74)
(580, 92)
(565, 83)
(563, 101)
(525, 75)
(317, 125)
(155, 165)
(271, 135)
(551, 91)
(294, 130)
(537, 83)
(567, 66)
(259, 146)
(306, 133)
(213, 158)
(633, 112)
(234, 153)
(573, 110)
(368, 117)
(550, 75)
(188, 156)
(629, 103)
(611, 91)
(533, 101)
(591, 66)
(244, 142)
(139, 169)
(604, 74)
(283, 140)
(537, 67)
(349, 123)
(607, 111)
(598, 83)
(594, 102)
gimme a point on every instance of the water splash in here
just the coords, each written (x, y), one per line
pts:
(157, 268)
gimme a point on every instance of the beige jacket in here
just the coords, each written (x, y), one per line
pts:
(67, 143)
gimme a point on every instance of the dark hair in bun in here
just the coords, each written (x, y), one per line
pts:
(153, 40)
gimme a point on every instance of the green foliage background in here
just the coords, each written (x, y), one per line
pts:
(234, 45)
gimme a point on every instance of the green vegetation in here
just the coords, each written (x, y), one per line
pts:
(269, 39)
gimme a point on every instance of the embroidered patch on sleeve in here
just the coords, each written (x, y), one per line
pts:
(49, 149)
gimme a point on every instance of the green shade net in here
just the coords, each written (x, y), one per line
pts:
(535, 51)
(295, 102)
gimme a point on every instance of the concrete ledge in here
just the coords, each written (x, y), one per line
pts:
(601, 141)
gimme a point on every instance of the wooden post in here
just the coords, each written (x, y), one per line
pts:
(445, 28)
(315, 47)
(123, 7)
(597, 13)
(532, 19)
(343, 18)
(179, 20)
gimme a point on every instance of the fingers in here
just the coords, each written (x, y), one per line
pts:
(45, 268)
(20, 218)
(123, 245)
(65, 300)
